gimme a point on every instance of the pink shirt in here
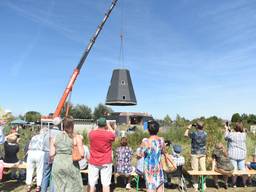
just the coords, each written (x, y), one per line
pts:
(101, 146)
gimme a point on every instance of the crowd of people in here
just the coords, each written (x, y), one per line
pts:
(51, 152)
(224, 161)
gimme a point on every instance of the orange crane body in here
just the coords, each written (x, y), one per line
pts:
(66, 93)
(76, 72)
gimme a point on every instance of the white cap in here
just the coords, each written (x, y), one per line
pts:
(6, 111)
(56, 121)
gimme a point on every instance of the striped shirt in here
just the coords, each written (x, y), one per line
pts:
(178, 159)
(236, 145)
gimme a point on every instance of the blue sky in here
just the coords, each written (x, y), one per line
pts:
(188, 57)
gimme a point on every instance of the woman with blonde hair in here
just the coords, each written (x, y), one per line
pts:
(11, 149)
(221, 164)
(66, 175)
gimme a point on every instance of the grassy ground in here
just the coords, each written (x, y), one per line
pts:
(20, 187)
(14, 186)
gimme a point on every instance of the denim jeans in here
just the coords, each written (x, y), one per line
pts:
(46, 173)
(238, 164)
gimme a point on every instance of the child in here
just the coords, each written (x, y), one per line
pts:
(222, 164)
(252, 165)
(178, 159)
(123, 160)
(176, 155)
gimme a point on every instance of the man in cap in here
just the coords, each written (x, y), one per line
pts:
(100, 160)
(198, 149)
(51, 134)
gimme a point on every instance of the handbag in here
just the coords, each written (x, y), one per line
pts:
(76, 156)
(168, 164)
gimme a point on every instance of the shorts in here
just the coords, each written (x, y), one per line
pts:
(105, 173)
(198, 162)
(238, 164)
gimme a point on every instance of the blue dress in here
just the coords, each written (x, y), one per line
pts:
(152, 150)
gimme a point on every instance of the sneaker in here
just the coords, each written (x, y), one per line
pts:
(128, 186)
(195, 187)
(234, 186)
(205, 186)
(38, 189)
(217, 186)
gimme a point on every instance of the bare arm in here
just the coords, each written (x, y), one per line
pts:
(80, 145)
(165, 149)
(52, 148)
(140, 152)
(187, 130)
(213, 164)
(227, 131)
(111, 128)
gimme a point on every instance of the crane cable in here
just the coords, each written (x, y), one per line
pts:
(121, 51)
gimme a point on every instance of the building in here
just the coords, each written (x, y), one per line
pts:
(81, 125)
(130, 118)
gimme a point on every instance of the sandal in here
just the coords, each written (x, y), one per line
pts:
(29, 188)
(38, 189)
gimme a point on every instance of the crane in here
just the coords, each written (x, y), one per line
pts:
(77, 70)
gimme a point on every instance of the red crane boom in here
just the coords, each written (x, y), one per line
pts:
(81, 62)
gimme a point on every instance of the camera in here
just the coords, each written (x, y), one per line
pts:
(194, 125)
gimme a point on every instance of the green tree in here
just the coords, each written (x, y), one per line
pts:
(236, 118)
(70, 107)
(22, 117)
(181, 121)
(81, 112)
(32, 116)
(251, 119)
(244, 117)
(101, 110)
(167, 120)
